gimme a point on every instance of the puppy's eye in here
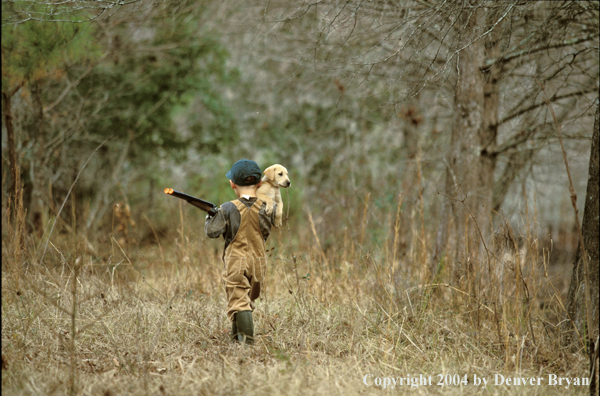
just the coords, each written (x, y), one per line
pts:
(280, 173)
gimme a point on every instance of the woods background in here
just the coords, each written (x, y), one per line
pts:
(424, 141)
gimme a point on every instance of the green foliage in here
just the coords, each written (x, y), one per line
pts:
(34, 50)
(152, 78)
(171, 70)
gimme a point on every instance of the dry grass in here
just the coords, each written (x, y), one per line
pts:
(150, 319)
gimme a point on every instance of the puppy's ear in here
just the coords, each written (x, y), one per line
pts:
(270, 173)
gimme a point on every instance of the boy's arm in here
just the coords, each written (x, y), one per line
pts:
(266, 221)
(216, 225)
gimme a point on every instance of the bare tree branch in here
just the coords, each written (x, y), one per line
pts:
(529, 51)
(554, 98)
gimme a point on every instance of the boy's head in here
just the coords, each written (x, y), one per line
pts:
(244, 173)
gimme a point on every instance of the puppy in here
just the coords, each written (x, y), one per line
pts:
(275, 176)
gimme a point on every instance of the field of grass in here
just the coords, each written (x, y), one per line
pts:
(146, 316)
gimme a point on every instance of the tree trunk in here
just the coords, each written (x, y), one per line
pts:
(10, 138)
(39, 177)
(469, 177)
(576, 305)
(489, 130)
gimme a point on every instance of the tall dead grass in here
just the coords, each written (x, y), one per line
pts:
(359, 297)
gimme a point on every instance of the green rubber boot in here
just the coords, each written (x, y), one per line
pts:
(234, 331)
(245, 326)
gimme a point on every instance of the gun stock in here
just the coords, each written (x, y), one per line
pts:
(201, 204)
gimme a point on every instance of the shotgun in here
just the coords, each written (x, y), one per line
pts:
(201, 204)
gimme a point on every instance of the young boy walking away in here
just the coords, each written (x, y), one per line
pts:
(245, 226)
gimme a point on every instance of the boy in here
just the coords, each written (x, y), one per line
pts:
(245, 226)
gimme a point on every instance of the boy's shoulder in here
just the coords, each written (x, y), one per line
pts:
(231, 206)
(228, 206)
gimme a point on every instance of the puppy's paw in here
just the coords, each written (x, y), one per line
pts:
(269, 202)
(269, 208)
(279, 216)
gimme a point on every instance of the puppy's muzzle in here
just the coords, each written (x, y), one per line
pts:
(286, 184)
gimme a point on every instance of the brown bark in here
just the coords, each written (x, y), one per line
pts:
(413, 119)
(576, 305)
(514, 165)
(469, 177)
(489, 129)
(10, 137)
(39, 176)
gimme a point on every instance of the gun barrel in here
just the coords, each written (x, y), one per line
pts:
(206, 206)
(181, 195)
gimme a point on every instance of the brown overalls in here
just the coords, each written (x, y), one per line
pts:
(245, 261)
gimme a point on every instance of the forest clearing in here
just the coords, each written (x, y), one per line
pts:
(440, 235)
(151, 320)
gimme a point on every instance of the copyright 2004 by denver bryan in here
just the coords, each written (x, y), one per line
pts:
(455, 380)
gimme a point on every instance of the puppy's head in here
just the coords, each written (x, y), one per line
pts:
(277, 175)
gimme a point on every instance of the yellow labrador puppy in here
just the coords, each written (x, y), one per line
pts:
(275, 176)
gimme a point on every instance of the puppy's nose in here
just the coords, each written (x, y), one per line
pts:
(289, 183)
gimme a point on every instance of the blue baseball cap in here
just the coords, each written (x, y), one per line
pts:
(244, 173)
